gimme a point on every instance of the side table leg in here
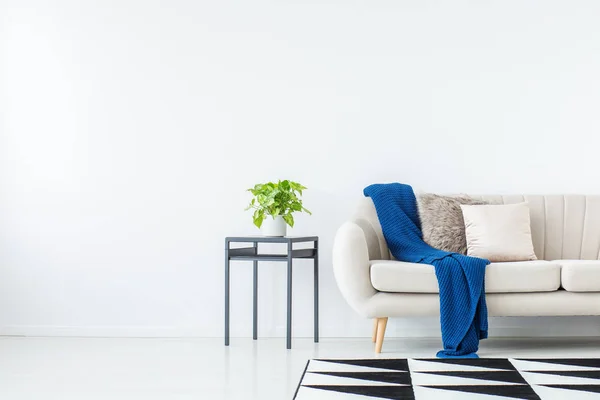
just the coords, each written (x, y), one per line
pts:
(255, 303)
(316, 293)
(289, 298)
(227, 295)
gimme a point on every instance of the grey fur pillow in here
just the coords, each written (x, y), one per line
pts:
(442, 221)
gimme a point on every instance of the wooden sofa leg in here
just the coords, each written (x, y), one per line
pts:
(375, 323)
(381, 324)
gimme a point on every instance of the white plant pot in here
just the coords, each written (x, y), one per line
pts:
(273, 226)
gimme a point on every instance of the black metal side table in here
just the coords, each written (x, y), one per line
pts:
(251, 254)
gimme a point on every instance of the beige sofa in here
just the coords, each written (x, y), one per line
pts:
(565, 280)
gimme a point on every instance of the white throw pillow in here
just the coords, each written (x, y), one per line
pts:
(498, 232)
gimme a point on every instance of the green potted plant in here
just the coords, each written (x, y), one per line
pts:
(274, 203)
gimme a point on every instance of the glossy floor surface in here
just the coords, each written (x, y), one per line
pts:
(177, 369)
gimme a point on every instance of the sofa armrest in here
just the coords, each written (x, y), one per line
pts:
(351, 266)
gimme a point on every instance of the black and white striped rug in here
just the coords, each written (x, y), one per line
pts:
(440, 379)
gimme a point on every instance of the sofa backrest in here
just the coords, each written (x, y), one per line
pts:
(563, 227)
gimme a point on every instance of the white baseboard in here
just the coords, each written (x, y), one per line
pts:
(97, 331)
(499, 327)
(506, 327)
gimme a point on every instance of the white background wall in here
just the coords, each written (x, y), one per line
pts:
(130, 129)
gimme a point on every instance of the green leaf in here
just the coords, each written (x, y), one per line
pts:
(297, 186)
(289, 219)
(259, 217)
(251, 205)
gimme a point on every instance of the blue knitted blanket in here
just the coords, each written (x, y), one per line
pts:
(463, 311)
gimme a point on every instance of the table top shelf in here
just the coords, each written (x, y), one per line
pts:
(271, 239)
(251, 253)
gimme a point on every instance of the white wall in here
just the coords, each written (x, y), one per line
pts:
(130, 129)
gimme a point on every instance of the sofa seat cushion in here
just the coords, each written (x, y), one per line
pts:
(501, 277)
(522, 277)
(404, 277)
(580, 275)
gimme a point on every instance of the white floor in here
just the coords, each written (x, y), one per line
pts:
(174, 369)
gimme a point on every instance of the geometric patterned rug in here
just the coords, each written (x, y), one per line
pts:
(442, 379)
